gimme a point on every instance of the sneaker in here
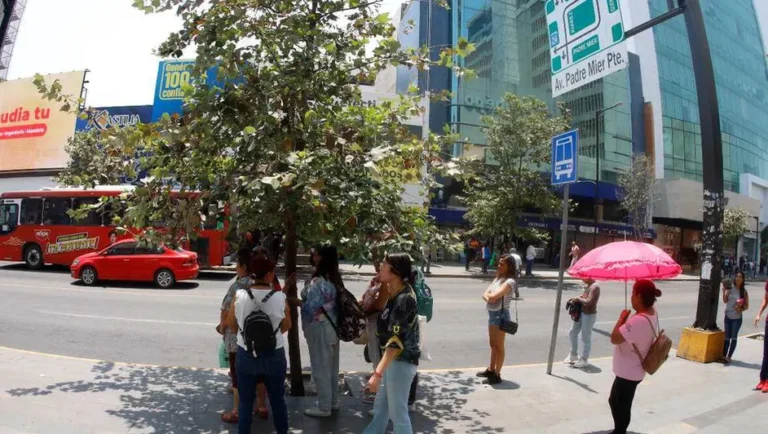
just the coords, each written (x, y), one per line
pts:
(369, 398)
(411, 407)
(759, 385)
(581, 364)
(370, 413)
(765, 387)
(494, 378)
(570, 360)
(485, 373)
(316, 412)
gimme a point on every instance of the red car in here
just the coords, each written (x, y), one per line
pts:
(126, 260)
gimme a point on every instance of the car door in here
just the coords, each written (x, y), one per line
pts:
(118, 263)
(145, 262)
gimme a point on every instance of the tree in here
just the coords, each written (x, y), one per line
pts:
(735, 224)
(638, 193)
(280, 135)
(518, 138)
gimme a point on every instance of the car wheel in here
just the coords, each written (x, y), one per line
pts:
(88, 276)
(33, 257)
(164, 278)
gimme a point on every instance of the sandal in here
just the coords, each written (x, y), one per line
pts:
(230, 417)
(263, 413)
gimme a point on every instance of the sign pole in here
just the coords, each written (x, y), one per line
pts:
(559, 299)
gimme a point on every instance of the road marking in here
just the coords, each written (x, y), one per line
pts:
(115, 318)
(112, 291)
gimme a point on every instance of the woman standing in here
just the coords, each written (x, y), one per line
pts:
(269, 365)
(736, 301)
(242, 281)
(374, 300)
(318, 319)
(763, 384)
(630, 336)
(398, 333)
(497, 298)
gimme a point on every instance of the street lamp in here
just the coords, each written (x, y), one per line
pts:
(597, 165)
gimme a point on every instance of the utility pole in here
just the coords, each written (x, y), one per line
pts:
(597, 168)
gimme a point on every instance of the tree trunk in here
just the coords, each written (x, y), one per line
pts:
(294, 351)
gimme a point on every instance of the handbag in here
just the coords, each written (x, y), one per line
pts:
(658, 353)
(509, 327)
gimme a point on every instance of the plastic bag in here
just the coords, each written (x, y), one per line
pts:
(423, 340)
(223, 356)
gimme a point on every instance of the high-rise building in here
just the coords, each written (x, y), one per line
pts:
(11, 12)
(658, 114)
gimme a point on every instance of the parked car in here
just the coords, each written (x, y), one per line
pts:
(126, 260)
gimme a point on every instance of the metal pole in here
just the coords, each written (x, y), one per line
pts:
(597, 174)
(559, 299)
(712, 167)
(757, 245)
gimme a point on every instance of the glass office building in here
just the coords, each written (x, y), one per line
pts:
(738, 58)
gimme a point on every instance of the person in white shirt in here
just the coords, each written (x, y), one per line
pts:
(518, 262)
(270, 365)
(530, 256)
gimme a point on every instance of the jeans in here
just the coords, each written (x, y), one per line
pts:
(269, 367)
(732, 327)
(324, 358)
(392, 400)
(529, 267)
(764, 370)
(486, 263)
(622, 395)
(583, 326)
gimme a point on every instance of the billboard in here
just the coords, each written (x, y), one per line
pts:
(172, 76)
(101, 118)
(33, 130)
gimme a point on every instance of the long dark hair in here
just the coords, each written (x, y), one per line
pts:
(743, 286)
(328, 266)
(511, 268)
(244, 259)
(401, 266)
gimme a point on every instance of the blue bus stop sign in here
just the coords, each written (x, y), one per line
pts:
(565, 158)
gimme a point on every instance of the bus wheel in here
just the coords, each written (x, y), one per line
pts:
(33, 257)
(164, 278)
(88, 276)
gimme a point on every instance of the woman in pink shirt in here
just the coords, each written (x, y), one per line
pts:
(632, 335)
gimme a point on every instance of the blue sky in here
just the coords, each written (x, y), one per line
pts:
(115, 42)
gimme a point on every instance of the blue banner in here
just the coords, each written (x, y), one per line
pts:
(172, 76)
(102, 118)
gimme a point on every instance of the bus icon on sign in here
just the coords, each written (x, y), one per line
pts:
(565, 158)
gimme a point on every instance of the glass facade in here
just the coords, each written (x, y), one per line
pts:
(742, 90)
(512, 56)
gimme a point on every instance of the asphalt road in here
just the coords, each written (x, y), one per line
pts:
(46, 311)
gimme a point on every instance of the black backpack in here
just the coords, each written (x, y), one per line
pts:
(350, 315)
(257, 331)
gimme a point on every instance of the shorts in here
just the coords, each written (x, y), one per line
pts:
(495, 317)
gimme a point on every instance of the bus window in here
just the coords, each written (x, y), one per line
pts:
(94, 217)
(109, 214)
(9, 217)
(32, 211)
(55, 212)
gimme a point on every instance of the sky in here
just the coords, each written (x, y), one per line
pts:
(114, 42)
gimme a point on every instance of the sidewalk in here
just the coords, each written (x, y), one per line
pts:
(45, 394)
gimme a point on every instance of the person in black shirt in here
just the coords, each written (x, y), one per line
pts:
(398, 333)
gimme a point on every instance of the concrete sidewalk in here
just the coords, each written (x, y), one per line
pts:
(46, 394)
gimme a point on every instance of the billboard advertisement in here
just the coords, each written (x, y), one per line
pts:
(172, 76)
(33, 130)
(101, 118)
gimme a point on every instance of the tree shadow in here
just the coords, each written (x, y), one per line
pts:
(156, 399)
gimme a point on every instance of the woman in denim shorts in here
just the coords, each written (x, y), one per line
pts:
(497, 297)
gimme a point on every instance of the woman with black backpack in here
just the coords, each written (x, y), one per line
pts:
(319, 319)
(261, 316)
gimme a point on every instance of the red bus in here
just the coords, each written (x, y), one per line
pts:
(36, 229)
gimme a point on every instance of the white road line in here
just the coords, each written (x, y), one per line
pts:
(114, 318)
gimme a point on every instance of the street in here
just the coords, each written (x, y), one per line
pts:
(46, 311)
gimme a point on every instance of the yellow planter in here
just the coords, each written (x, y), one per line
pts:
(700, 345)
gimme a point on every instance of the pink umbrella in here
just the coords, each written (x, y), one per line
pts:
(625, 260)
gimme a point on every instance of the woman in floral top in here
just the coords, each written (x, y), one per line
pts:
(318, 320)
(398, 333)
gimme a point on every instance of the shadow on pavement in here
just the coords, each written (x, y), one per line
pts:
(155, 399)
(740, 364)
(59, 269)
(179, 286)
(578, 383)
